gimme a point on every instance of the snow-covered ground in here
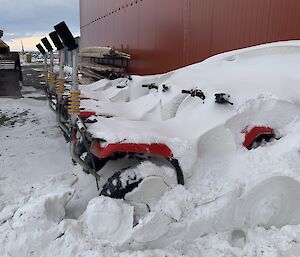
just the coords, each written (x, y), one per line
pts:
(235, 202)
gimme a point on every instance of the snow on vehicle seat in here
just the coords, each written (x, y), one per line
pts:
(119, 130)
(122, 89)
(135, 109)
(105, 95)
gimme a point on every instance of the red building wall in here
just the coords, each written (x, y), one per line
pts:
(163, 35)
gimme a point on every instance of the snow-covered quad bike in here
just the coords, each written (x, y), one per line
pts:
(151, 168)
(151, 165)
(136, 110)
(179, 129)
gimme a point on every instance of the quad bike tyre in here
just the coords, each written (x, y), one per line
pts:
(141, 185)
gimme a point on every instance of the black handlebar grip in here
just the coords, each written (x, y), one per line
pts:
(47, 44)
(56, 40)
(41, 49)
(66, 36)
(186, 91)
(145, 86)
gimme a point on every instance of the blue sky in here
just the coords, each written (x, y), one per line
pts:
(27, 20)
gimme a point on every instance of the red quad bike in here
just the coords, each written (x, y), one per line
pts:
(97, 152)
(149, 169)
(147, 172)
(94, 153)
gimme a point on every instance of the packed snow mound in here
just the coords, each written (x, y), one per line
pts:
(35, 224)
(273, 202)
(42, 212)
(109, 219)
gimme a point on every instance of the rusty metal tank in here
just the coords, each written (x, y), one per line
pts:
(162, 35)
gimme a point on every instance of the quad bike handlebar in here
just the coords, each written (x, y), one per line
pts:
(150, 86)
(194, 92)
(222, 98)
(123, 86)
(165, 88)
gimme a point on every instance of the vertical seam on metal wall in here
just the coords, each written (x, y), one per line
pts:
(269, 21)
(212, 27)
(187, 21)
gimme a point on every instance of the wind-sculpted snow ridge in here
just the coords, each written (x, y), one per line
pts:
(235, 201)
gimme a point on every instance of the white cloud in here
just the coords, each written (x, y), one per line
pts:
(25, 18)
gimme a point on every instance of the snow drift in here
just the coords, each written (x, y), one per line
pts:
(235, 202)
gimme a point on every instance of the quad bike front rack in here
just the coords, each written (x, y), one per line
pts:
(194, 93)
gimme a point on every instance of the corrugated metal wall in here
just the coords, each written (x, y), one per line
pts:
(163, 35)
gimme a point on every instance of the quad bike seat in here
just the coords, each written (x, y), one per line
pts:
(118, 129)
(133, 110)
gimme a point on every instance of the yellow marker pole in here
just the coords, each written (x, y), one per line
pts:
(45, 70)
(60, 88)
(74, 96)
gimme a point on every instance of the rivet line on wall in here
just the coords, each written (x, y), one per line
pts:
(113, 12)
